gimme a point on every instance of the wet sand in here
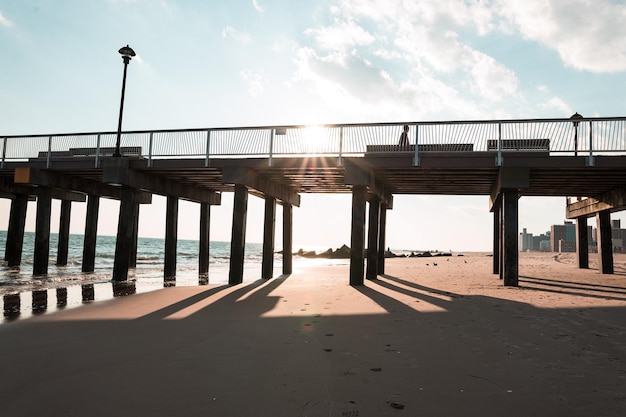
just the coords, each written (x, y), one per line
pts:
(422, 340)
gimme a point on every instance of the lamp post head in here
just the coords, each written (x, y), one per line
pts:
(127, 53)
(575, 119)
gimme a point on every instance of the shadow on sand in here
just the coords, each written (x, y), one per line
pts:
(421, 350)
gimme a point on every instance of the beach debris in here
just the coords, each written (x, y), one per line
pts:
(376, 369)
(329, 334)
(328, 350)
(395, 405)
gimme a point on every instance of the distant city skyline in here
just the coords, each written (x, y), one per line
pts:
(562, 238)
(269, 62)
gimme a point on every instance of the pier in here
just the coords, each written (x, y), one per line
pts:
(506, 160)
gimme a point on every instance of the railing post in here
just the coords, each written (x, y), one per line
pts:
(416, 159)
(4, 151)
(590, 161)
(272, 133)
(340, 160)
(499, 157)
(97, 160)
(208, 148)
(150, 142)
(49, 151)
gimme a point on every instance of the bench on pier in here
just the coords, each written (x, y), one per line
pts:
(109, 151)
(79, 152)
(434, 147)
(519, 144)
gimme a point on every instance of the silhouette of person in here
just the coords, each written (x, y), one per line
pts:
(404, 137)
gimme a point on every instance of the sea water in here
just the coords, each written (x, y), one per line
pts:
(67, 286)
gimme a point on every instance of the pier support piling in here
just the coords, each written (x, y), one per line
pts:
(91, 233)
(42, 231)
(372, 239)
(510, 255)
(205, 227)
(124, 241)
(382, 230)
(287, 239)
(171, 238)
(269, 233)
(238, 237)
(132, 259)
(357, 241)
(15, 232)
(582, 243)
(64, 232)
(497, 236)
(605, 242)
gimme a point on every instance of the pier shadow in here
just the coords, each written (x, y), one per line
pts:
(582, 289)
(257, 292)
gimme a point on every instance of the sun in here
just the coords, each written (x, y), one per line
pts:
(313, 138)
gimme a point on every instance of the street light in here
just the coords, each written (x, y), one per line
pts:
(575, 118)
(127, 54)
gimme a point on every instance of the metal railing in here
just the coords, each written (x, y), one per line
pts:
(585, 137)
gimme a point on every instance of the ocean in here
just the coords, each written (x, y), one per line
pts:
(67, 286)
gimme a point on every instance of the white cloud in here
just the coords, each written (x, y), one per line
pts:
(588, 35)
(492, 80)
(342, 35)
(255, 82)
(231, 33)
(5, 22)
(257, 6)
(392, 58)
(353, 83)
(559, 105)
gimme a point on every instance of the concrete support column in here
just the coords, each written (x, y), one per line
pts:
(132, 259)
(42, 231)
(605, 242)
(91, 233)
(238, 237)
(64, 232)
(382, 230)
(124, 240)
(287, 239)
(171, 238)
(582, 243)
(510, 254)
(15, 232)
(497, 236)
(372, 239)
(205, 227)
(357, 241)
(269, 233)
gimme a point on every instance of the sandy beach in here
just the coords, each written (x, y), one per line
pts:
(433, 336)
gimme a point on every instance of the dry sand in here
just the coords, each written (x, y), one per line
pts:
(423, 340)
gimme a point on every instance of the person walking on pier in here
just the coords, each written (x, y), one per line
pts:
(404, 138)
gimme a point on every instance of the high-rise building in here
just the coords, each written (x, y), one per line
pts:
(525, 241)
(563, 237)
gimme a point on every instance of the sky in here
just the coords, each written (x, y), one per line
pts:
(203, 64)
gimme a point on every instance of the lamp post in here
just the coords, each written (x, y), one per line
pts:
(127, 54)
(575, 118)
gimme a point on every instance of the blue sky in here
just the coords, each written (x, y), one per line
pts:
(261, 62)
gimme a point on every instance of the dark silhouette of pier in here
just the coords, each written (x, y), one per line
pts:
(505, 159)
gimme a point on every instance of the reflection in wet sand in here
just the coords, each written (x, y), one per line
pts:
(25, 304)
